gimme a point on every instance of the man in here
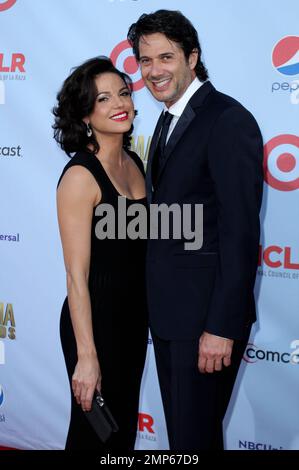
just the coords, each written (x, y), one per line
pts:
(201, 303)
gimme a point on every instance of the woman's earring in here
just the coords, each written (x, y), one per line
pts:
(88, 130)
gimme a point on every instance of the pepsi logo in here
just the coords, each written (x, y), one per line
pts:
(285, 55)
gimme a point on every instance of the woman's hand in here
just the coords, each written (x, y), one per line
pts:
(86, 378)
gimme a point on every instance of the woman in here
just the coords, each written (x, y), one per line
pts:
(103, 322)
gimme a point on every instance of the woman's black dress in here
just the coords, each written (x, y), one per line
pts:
(119, 318)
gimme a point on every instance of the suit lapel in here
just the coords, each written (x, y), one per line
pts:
(151, 153)
(184, 121)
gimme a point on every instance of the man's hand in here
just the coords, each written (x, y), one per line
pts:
(213, 351)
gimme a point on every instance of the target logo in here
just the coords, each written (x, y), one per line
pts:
(7, 4)
(281, 162)
(123, 59)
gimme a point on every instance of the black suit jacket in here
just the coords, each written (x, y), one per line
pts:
(213, 157)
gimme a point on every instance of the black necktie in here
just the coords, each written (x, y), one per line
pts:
(160, 150)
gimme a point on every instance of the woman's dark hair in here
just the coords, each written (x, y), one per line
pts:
(76, 100)
(176, 27)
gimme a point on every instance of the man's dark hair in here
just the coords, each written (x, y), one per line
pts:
(176, 27)
(76, 100)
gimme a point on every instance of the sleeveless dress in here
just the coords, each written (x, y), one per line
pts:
(119, 318)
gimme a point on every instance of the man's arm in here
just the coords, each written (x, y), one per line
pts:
(235, 159)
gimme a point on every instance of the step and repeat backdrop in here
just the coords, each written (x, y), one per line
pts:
(251, 50)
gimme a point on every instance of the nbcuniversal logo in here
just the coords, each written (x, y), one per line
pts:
(250, 445)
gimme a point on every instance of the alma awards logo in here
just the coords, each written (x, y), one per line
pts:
(7, 322)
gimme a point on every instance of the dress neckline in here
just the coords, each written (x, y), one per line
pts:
(112, 185)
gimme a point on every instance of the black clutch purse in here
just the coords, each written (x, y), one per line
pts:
(100, 418)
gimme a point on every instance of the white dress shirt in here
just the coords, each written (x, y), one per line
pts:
(178, 107)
